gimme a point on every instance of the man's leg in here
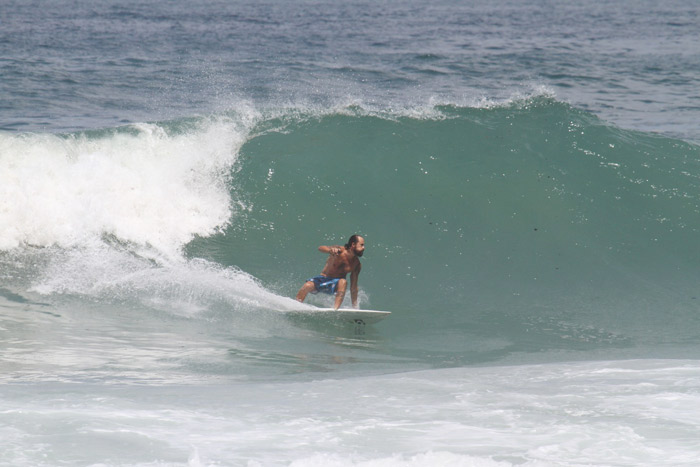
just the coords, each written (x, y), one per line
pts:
(305, 289)
(340, 292)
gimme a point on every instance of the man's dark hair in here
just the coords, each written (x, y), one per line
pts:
(352, 240)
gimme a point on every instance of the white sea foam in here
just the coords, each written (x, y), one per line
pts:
(639, 412)
(177, 285)
(142, 185)
(427, 459)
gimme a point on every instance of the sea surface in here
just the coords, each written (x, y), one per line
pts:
(526, 175)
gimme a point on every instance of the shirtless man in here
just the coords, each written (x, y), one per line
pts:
(341, 261)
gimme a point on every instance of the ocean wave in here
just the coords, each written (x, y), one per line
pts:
(532, 210)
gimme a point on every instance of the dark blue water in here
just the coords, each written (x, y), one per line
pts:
(73, 65)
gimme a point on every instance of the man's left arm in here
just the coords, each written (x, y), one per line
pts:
(353, 284)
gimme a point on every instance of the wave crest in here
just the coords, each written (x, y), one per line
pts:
(143, 184)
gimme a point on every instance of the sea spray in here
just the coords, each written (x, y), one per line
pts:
(140, 184)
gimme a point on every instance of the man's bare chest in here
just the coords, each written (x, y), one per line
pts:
(340, 264)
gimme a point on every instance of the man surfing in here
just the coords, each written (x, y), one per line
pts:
(341, 261)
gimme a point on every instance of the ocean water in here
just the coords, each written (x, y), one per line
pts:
(525, 174)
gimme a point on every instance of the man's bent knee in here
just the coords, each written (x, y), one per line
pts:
(305, 289)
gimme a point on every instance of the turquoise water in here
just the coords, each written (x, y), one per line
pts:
(525, 176)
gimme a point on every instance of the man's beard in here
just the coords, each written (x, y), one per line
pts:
(359, 253)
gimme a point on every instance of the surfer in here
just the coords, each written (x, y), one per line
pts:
(341, 261)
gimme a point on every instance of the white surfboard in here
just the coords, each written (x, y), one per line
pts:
(344, 314)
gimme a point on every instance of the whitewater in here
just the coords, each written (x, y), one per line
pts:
(525, 175)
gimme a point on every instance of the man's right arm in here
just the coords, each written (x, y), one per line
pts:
(331, 250)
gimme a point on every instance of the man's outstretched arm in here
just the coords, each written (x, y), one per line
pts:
(353, 284)
(331, 250)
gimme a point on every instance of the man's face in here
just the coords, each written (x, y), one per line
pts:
(359, 247)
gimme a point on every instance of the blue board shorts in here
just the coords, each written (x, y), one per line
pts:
(325, 284)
